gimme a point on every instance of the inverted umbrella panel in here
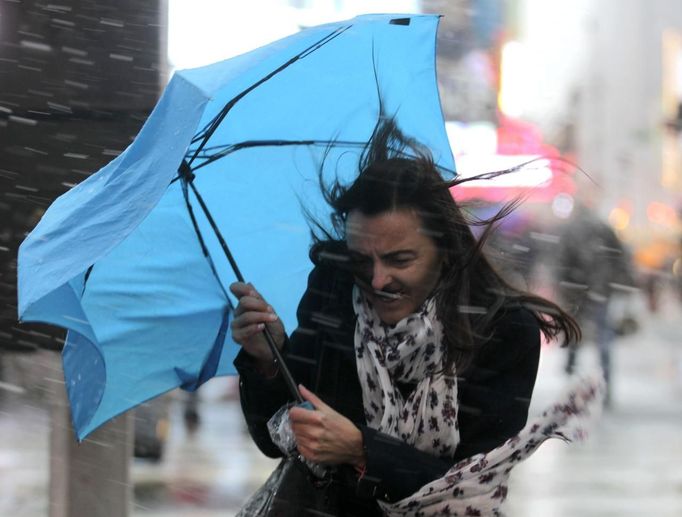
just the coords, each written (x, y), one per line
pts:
(131, 260)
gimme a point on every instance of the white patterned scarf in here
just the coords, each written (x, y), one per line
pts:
(411, 352)
(478, 485)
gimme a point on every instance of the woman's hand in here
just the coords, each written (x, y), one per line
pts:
(325, 436)
(251, 316)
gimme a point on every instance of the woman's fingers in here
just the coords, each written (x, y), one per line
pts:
(308, 453)
(313, 399)
(252, 303)
(245, 332)
(243, 291)
(251, 316)
(246, 319)
(240, 289)
(251, 311)
(324, 435)
(309, 441)
(306, 434)
(302, 416)
(309, 429)
(248, 324)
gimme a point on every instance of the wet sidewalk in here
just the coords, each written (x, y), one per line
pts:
(631, 465)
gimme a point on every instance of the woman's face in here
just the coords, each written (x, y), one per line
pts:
(397, 264)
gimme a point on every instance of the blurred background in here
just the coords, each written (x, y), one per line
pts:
(597, 84)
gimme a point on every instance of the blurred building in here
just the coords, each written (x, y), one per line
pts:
(603, 81)
(78, 80)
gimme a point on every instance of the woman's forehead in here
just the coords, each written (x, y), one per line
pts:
(360, 223)
(386, 230)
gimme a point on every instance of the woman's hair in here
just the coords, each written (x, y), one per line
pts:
(396, 173)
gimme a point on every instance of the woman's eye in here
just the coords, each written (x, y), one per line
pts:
(401, 261)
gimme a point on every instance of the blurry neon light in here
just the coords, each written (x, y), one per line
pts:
(535, 174)
(619, 218)
(562, 205)
(660, 213)
(513, 95)
(474, 138)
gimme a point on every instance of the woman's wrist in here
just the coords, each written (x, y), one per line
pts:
(359, 460)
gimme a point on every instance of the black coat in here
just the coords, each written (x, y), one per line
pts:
(493, 393)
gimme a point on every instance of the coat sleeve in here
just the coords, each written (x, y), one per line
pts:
(261, 397)
(493, 406)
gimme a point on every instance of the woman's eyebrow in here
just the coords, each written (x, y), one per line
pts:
(357, 255)
(398, 253)
(390, 255)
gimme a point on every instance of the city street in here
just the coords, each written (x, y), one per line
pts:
(152, 153)
(630, 466)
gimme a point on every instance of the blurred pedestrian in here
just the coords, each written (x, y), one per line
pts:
(654, 260)
(593, 266)
(190, 413)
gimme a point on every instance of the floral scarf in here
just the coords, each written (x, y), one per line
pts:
(411, 351)
(478, 485)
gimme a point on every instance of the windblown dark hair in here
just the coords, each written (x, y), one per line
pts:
(399, 173)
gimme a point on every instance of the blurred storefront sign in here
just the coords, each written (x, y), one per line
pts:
(483, 148)
(671, 104)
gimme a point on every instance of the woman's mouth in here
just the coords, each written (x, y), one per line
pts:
(387, 296)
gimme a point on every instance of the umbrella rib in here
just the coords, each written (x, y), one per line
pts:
(229, 149)
(202, 243)
(277, 355)
(267, 143)
(210, 127)
(324, 41)
(206, 134)
(88, 272)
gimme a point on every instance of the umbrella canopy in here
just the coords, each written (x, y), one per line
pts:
(130, 260)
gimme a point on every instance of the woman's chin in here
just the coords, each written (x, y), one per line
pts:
(391, 312)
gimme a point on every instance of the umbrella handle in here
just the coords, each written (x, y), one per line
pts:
(278, 361)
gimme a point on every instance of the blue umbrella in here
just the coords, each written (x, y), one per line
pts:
(135, 261)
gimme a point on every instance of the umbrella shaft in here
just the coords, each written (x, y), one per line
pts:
(279, 362)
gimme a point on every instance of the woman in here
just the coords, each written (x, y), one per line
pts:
(414, 352)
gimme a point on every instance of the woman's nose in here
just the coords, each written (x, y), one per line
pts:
(380, 277)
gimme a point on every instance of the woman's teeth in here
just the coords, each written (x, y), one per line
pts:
(387, 295)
